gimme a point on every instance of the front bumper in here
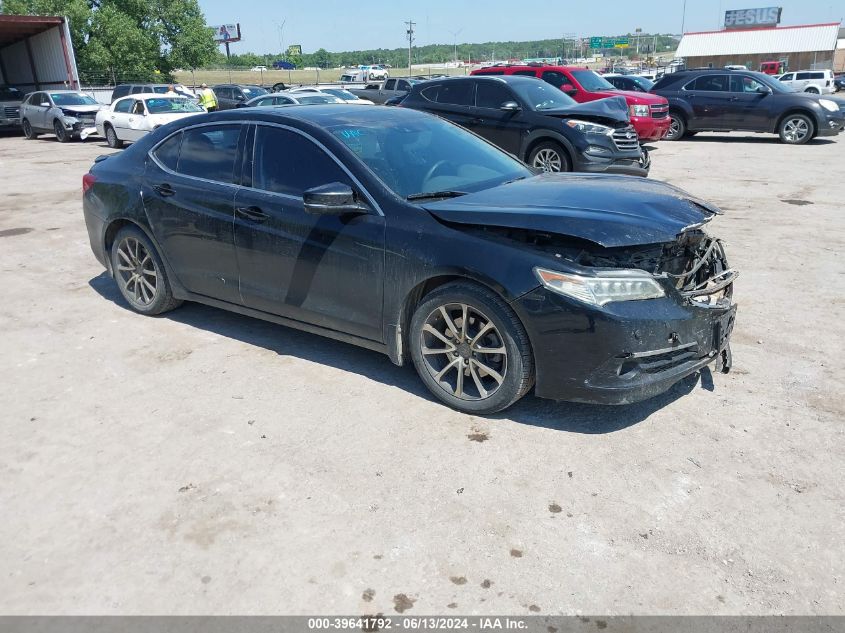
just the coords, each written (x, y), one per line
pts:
(622, 166)
(624, 352)
(833, 123)
(649, 128)
(6, 124)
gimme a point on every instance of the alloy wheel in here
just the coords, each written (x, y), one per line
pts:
(674, 128)
(548, 160)
(796, 130)
(59, 129)
(464, 351)
(137, 271)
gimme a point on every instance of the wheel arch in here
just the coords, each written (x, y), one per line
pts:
(544, 137)
(798, 110)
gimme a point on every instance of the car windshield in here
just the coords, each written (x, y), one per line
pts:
(254, 91)
(542, 96)
(171, 105)
(71, 99)
(642, 82)
(7, 93)
(427, 155)
(341, 94)
(590, 81)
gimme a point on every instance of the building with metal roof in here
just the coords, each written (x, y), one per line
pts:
(811, 46)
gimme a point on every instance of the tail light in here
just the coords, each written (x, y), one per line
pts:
(88, 181)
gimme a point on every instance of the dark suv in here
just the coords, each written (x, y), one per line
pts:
(537, 123)
(729, 100)
(231, 96)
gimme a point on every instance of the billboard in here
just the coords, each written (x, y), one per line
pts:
(295, 49)
(227, 33)
(745, 18)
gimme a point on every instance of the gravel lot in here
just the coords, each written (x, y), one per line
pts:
(205, 462)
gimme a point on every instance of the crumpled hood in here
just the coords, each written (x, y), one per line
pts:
(614, 108)
(608, 210)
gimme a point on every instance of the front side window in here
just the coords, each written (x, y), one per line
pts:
(404, 85)
(591, 81)
(555, 78)
(541, 96)
(744, 84)
(787, 77)
(423, 154)
(223, 93)
(458, 93)
(491, 94)
(72, 99)
(136, 90)
(289, 163)
(253, 91)
(390, 84)
(209, 152)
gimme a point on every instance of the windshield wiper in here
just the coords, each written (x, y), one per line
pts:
(435, 194)
(517, 179)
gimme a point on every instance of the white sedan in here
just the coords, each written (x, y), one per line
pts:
(346, 96)
(128, 119)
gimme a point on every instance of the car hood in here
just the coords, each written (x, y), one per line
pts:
(609, 210)
(614, 109)
(82, 109)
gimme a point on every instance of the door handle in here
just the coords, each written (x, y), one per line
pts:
(253, 214)
(164, 190)
(476, 121)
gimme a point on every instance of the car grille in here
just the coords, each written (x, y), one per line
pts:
(659, 111)
(12, 112)
(626, 139)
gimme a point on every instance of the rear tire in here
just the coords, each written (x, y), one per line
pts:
(812, 91)
(140, 273)
(111, 138)
(28, 132)
(550, 157)
(61, 133)
(677, 127)
(796, 129)
(470, 349)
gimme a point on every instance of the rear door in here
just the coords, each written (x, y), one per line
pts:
(456, 102)
(189, 195)
(225, 98)
(709, 96)
(320, 269)
(802, 80)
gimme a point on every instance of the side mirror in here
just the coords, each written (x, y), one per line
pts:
(334, 198)
(764, 90)
(510, 106)
(569, 89)
(240, 97)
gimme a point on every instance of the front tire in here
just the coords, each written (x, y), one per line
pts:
(550, 157)
(61, 133)
(111, 138)
(28, 132)
(796, 129)
(140, 273)
(677, 127)
(470, 349)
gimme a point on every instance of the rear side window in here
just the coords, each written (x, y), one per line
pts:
(526, 73)
(120, 91)
(403, 85)
(710, 83)
(492, 94)
(801, 76)
(209, 152)
(136, 90)
(555, 78)
(816, 75)
(168, 152)
(123, 106)
(458, 93)
(223, 93)
(289, 163)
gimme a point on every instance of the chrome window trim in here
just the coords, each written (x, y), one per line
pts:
(151, 154)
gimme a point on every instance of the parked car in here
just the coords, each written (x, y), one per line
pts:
(124, 90)
(258, 69)
(403, 233)
(729, 100)
(66, 113)
(128, 119)
(772, 68)
(287, 98)
(631, 83)
(230, 95)
(375, 73)
(379, 93)
(10, 107)
(537, 123)
(839, 82)
(340, 93)
(818, 82)
(354, 77)
(648, 112)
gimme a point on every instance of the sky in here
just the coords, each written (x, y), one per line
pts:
(339, 25)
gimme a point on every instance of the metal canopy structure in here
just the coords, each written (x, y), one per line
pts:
(17, 28)
(785, 39)
(36, 53)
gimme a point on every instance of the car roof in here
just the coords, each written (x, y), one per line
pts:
(327, 114)
(507, 79)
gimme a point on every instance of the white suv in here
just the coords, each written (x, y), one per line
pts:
(813, 81)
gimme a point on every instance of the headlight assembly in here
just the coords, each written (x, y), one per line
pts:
(829, 105)
(639, 110)
(614, 285)
(589, 128)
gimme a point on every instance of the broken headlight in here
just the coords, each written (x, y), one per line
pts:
(608, 286)
(589, 128)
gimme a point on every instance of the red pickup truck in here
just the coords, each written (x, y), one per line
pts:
(649, 113)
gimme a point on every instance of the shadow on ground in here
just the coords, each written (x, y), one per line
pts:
(561, 416)
(757, 138)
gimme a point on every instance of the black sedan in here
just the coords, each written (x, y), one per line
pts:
(403, 233)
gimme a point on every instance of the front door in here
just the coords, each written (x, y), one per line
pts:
(136, 122)
(320, 269)
(38, 114)
(189, 196)
(502, 128)
(709, 96)
(746, 110)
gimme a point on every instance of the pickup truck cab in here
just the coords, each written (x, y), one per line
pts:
(380, 93)
(649, 115)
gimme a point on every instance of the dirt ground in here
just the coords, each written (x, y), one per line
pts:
(209, 463)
